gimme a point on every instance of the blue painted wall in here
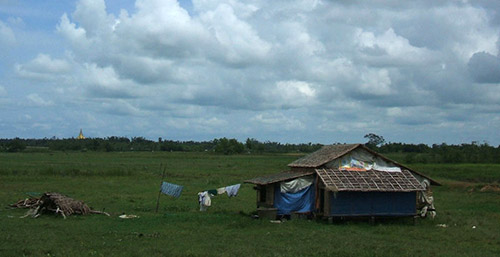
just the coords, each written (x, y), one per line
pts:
(373, 204)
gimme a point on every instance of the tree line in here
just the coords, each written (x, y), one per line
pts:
(473, 152)
(124, 144)
(443, 153)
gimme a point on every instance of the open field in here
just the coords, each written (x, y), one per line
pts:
(129, 182)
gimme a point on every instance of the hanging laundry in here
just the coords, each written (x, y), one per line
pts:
(171, 189)
(221, 190)
(204, 200)
(232, 190)
(212, 192)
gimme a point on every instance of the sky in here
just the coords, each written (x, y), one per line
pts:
(283, 71)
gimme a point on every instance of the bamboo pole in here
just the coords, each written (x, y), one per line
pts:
(161, 183)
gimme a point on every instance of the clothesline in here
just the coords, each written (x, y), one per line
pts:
(204, 197)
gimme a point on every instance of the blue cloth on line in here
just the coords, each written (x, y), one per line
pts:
(171, 189)
(301, 201)
(232, 190)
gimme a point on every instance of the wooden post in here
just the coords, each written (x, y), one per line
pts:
(161, 183)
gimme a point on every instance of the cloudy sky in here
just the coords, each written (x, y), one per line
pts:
(286, 71)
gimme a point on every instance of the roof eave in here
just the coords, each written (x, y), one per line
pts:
(291, 165)
(272, 181)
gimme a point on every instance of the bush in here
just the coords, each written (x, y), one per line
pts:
(228, 146)
(16, 145)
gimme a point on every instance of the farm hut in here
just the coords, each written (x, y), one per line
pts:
(345, 180)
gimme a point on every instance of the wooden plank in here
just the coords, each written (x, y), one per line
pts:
(326, 203)
(270, 194)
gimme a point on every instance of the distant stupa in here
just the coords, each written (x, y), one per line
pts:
(81, 135)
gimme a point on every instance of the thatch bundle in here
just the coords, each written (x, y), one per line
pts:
(56, 203)
(26, 203)
(60, 203)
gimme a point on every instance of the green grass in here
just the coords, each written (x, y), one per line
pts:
(129, 182)
(467, 172)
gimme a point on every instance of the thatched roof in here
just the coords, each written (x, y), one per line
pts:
(369, 181)
(278, 177)
(324, 155)
(329, 153)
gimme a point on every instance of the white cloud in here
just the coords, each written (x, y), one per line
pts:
(7, 36)
(395, 112)
(3, 91)
(75, 35)
(106, 83)
(390, 49)
(39, 101)
(42, 126)
(16, 21)
(291, 94)
(238, 39)
(318, 67)
(43, 67)
(207, 124)
(92, 16)
(160, 28)
(121, 107)
(43, 63)
(473, 26)
(244, 10)
(278, 121)
(375, 82)
(484, 68)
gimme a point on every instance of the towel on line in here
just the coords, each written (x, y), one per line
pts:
(171, 189)
(221, 190)
(232, 190)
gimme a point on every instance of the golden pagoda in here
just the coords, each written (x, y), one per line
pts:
(81, 135)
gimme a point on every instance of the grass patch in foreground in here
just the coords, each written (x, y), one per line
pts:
(226, 229)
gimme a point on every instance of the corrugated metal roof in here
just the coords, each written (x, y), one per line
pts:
(369, 181)
(278, 177)
(325, 154)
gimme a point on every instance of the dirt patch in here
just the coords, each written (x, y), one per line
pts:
(459, 184)
(490, 188)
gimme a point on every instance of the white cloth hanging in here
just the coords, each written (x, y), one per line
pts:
(296, 185)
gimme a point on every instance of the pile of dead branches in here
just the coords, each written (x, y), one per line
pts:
(55, 203)
(26, 203)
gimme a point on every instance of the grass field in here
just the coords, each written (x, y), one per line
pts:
(129, 182)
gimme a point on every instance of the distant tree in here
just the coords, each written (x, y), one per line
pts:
(108, 147)
(16, 145)
(374, 140)
(254, 146)
(228, 146)
(250, 143)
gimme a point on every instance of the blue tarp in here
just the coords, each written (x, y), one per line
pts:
(301, 201)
